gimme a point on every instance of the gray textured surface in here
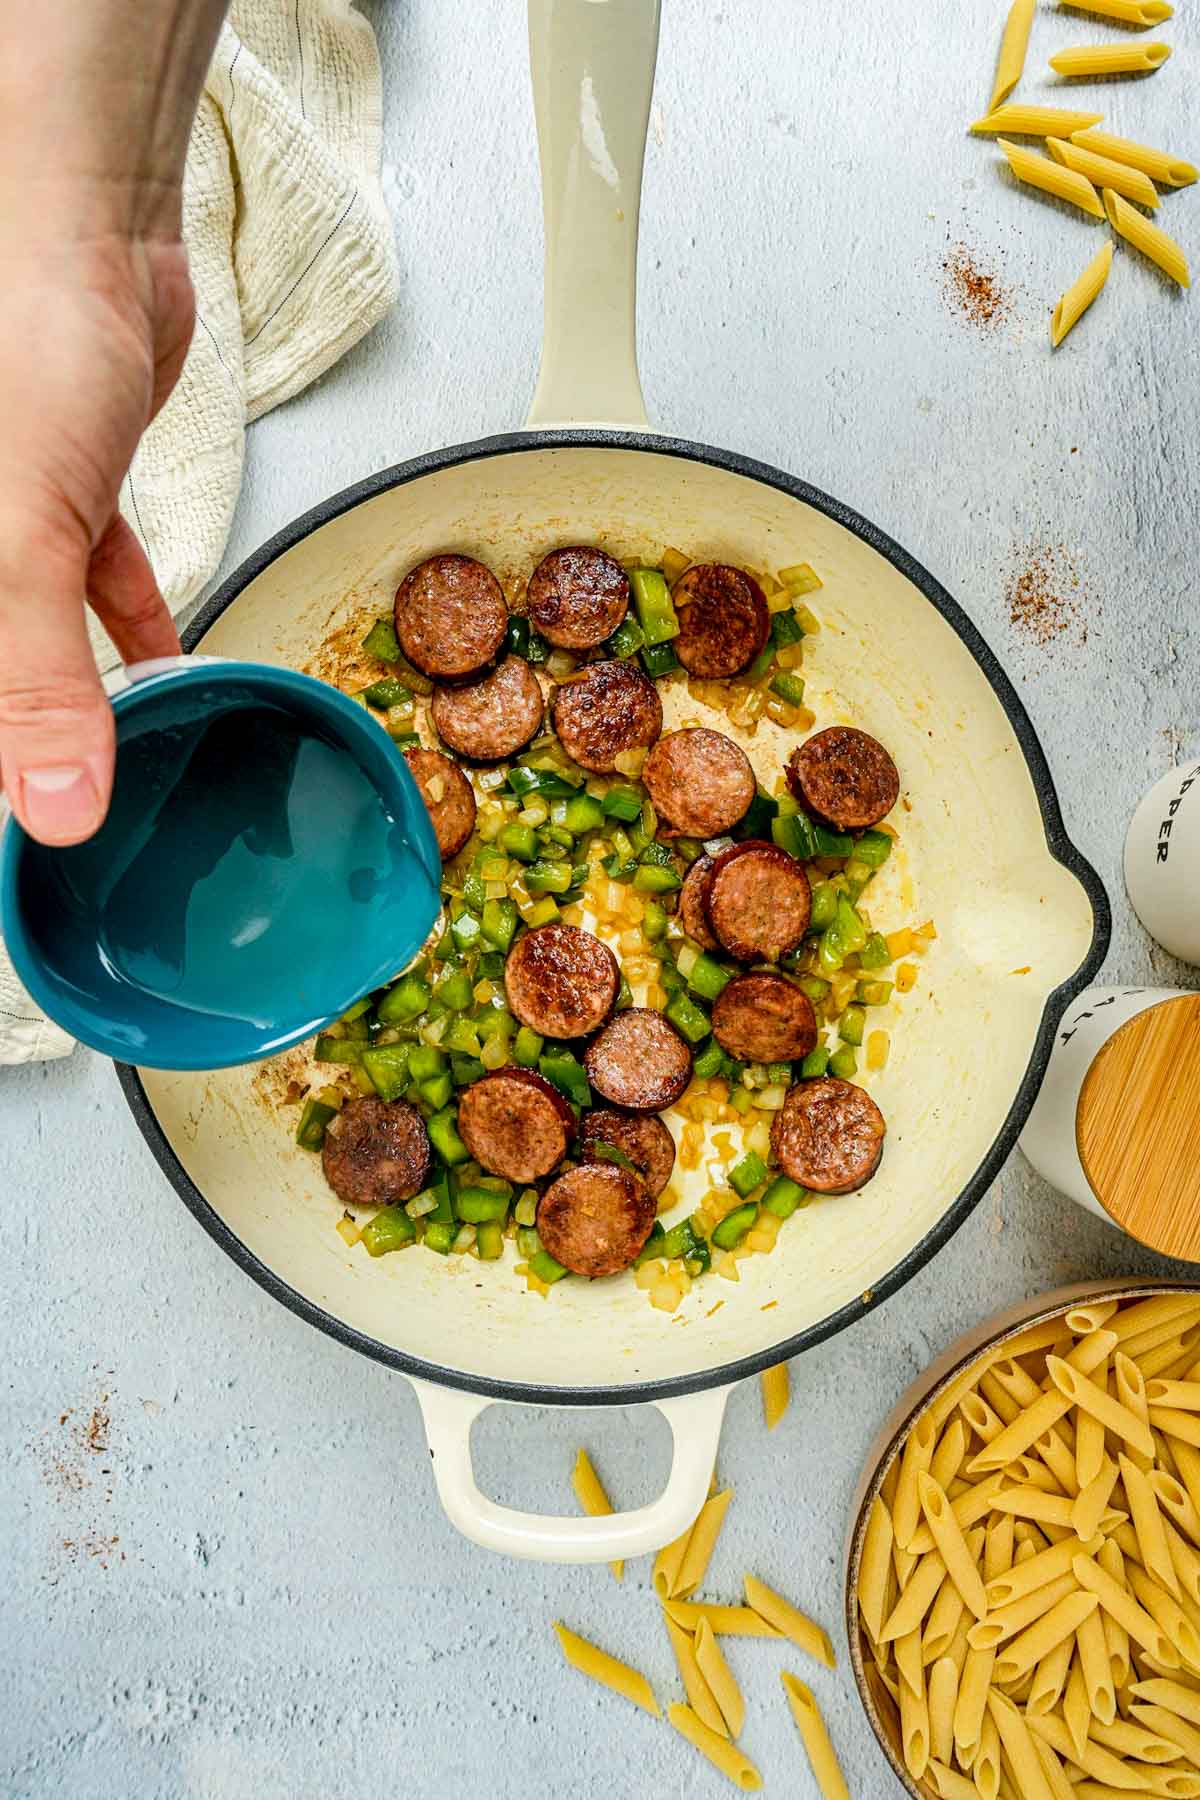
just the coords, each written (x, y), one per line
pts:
(286, 1613)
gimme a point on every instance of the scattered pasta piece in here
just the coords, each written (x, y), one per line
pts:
(1034, 121)
(1147, 237)
(776, 1392)
(607, 1670)
(700, 1545)
(1128, 12)
(589, 1492)
(723, 1755)
(1110, 59)
(1103, 172)
(1013, 45)
(789, 1621)
(1080, 294)
(1042, 172)
(822, 1758)
(1167, 171)
(719, 1676)
(726, 1621)
(700, 1695)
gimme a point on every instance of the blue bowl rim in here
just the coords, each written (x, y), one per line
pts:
(365, 739)
(1059, 844)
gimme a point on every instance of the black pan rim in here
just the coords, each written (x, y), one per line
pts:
(1060, 846)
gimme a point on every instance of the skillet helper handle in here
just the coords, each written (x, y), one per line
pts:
(695, 1421)
(592, 63)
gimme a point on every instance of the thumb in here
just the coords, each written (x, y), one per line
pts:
(56, 726)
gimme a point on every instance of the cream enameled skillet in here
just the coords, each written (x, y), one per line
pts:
(1022, 919)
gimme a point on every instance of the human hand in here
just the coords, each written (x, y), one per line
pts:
(92, 339)
(96, 313)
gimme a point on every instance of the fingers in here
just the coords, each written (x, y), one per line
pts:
(56, 726)
(125, 598)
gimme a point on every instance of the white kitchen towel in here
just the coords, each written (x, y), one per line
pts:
(292, 261)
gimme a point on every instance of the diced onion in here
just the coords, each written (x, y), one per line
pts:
(494, 1053)
(436, 788)
(422, 1204)
(559, 663)
(464, 1240)
(630, 762)
(488, 779)
(758, 1139)
(688, 957)
(771, 1099)
(349, 1232)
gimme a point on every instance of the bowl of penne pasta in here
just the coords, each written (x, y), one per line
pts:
(1023, 1568)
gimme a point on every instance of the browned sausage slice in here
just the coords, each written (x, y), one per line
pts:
(764, 1019)
(376, 1152)
(723, 620)
(561, 981)
(844, 777)
(595, 1219)
(641, 1137)
(828, 1136)
(700, 782)
(449, 798)
(639, 1061)
(759, 901)
(610, 709)
(577, 597)
(515, 1123)
(450, 617)
(691, 904)
(492, 718)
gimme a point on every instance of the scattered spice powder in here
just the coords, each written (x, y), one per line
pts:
(974, 293)
(1045, 593)
(75, 1465)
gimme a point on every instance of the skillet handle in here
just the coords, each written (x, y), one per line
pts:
(695, 1421)
(592, 63)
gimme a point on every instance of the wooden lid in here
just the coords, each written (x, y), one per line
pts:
(1138, 1127)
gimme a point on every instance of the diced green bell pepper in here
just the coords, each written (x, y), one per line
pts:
(652, 1247)
(851, 929)
(520, 841)
(466, 1069)
(653, 879)
(873, 993)
(489, 1241)
(659, 660)
(824, 906)
(654, 921)
(545, 1268)
(851, 1025)
(474, 891)
(315, 1116)
(793, 833)
(528, 1047)
(548, 877)
(465, 931)
(439, 1235)
(747, 1174)
(734, 1226)
(789, 687)
(387, 1065)
(708, 978)
(759, 816)
(389, 692)
(338, 1050)
(463, 1037)
(382, 643)
(499, 922)
(709, 1062)
(656, 614)
(875, 953)
(583, 813)
(832, 843)
(456, 992)
(682, 1240)
(563, 1069)
(784, 1196)
(785, 629)
(873, 848)
(438, 1090)
(522, 781)
(690, 1020)
(391, 1229)
(815, 986)
(844, 1063)
(626, 640)
(443, 1135)
(815, 1063)
(425, 1060)
(476, 1205)
(622, 803)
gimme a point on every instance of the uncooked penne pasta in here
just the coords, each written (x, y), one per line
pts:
(589, 1491)
(1185, 1560)
(1050, 1678)
(986, 1767)
(822, 1759)
(1134, 1740)
(700, 1696)
(667, 1564)
(968, 1509)
(909, 1661)
(1018, 1747)
(719, 1677)
(701, 1543)
(788, 1620)
(1090, 1316)
(1092, 1502)
(948, 1536)
(1076, 1709)
(1168, 1614)
(1127, 12)
(1081, 1391)
(721, 1754)
(1089, 1448)
(918, 1453)
(1095, 1664)
(1187, 1459)
(1045, 1566)
(1163, 250)
(1174, 1499)
(1115, 1635)
(1032, 1503)
(1006, 1621)
(1123, 1607)
(949, 1784)
(1033, 121)
(874, 1567)
(776, 1392)
(1148, 1526)
(607, 1670)
(980, 1417)
(1167, 171)
(1053, 1770)
(1166, 1724)
(941, 1694)
(942, 1622)
(1013, 47)
(727, 1621)
(948, 1455)
(914, 1729)
(1160, 1312)
(1095, 1761)
(1110, 59)
(1183, 1394)
(916, 1599)
(1020, 1656)
(1161, 1691)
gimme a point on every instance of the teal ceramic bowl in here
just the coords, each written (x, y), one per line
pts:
(267, 858)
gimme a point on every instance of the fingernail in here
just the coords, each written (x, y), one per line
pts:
(61, 805)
